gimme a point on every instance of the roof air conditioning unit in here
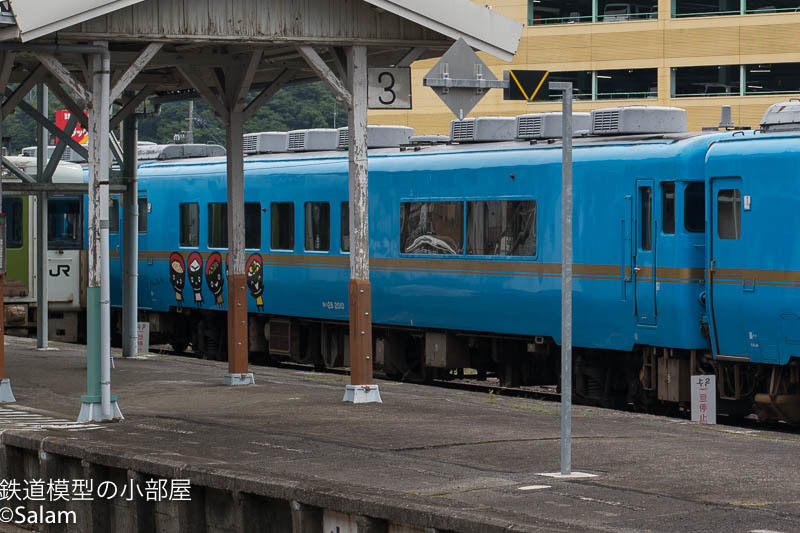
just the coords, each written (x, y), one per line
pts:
(379, 136)
(430, 139)
(549, 125)
(783, 116)
(265, 142)
(638, 120)
(72, 156)
(483, 129)
(178, 151)
(311, 140)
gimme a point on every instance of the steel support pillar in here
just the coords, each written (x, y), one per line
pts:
(237, 282)
(6, 394)
(361, 388)
(130, 237)
(41, 223)
(99, 403)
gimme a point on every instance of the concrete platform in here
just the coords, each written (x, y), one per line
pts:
(426, 457)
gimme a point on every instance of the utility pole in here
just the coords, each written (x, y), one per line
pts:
(190, 131)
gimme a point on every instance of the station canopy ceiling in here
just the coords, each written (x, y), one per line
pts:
(206, 35)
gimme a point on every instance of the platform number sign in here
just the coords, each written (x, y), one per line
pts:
(2, 245)
(389, 88)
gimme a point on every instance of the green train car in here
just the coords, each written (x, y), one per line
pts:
(66, 256)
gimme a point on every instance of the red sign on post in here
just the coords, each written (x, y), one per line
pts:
(80, 134)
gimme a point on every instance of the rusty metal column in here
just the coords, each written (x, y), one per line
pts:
(237, 283)
(361, 388)
(6, 394)
(130, 239)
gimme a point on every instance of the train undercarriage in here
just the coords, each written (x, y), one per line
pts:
(648, 378)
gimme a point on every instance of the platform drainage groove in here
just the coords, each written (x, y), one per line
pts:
(18, 419)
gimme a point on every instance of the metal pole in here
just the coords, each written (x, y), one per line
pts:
(237, 282)
(6, 394)
(98, 318)
(190, 130)
(566, 277)
(361, 388)
(130, 245)
(41, 224)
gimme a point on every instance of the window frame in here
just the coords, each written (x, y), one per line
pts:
(15, 200)
(736, 201)
(424, 200)
(272, 205)
(344, 226)
(306, 227)
(142, 196)
(701, 186)
(493, 257)
(671, 183)
(50, 212)
(211, 220)
(180, 224)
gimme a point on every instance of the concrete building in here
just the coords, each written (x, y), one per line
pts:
(694, 54)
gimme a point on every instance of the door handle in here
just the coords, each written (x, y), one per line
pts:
(637, 269)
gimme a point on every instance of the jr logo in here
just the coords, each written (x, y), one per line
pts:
(59, 270)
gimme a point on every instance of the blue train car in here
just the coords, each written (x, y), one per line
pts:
(754, 262)
(464, 254)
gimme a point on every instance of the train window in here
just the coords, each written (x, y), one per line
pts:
(218, 225)
(64, 223)
(190, 225)
(432, 227)
(729, 214)
(345, 227)
(12, 207)
(142, 214)
(113, 214)
(668, 207)
(501, 227)
(252, 225)
(646, 218)
(694, 207)
(318, 226)
(282, 226)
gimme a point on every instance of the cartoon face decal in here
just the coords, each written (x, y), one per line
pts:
(214, 277)
(195, 270)
(177, 276)
(255, 279)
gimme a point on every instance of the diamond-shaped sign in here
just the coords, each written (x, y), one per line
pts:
(460, 78)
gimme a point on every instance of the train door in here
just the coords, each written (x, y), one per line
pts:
(726, 283)
(644, 271)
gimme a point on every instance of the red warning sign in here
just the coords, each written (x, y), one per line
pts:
(80, 134)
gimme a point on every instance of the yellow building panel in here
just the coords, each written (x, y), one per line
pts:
(709, 41)
(627, 45)
(774, 39)
(557, 49)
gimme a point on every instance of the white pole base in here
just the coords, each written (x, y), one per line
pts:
(573, 475)
(362, 394)
(6, 395)
(93, 412)
(238, 379)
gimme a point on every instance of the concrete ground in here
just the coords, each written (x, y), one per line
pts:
(463, 455)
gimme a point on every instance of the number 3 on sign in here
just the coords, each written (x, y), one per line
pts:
(389, 88)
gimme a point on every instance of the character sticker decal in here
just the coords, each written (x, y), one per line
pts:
(255, 279)
(214, 277)
(195, 267)
(177, 276)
